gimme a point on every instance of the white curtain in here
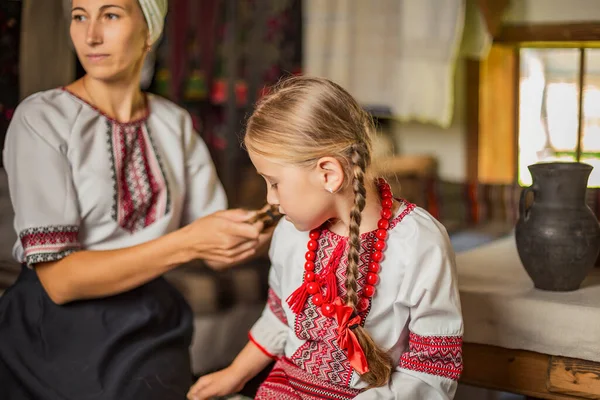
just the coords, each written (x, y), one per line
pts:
(394, 56)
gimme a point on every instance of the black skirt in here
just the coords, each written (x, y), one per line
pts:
(132, 346)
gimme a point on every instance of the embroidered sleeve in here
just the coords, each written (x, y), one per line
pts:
(41, 186)
(434, 355)
(49, 243)
(270, 332)
(204, 191)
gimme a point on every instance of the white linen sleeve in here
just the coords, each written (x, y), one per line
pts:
(431, 365)
(270, 332)
(204, 191)
(41, 187)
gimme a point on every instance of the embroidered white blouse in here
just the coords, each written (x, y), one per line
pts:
(415, 312)
(81, 180)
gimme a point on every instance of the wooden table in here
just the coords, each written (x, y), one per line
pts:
(533, 374)
(521, 340)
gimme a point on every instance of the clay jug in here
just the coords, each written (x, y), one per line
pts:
(558, 235)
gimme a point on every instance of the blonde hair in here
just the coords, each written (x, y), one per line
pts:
(302, 120)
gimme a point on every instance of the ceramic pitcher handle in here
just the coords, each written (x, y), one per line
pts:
(522, 210)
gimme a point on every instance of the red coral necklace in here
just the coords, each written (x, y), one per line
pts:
(323, 286)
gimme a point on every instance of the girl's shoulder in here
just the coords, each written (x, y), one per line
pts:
(419, 245)
(413, 225)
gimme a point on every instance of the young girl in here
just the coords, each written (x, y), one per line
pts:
(363, 301)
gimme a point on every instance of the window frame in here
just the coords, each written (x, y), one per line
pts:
(492, 153)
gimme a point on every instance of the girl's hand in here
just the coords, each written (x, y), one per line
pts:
(221, 383)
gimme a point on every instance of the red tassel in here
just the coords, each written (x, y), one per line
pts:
(330, 282)
(328, 279)
(297, 299)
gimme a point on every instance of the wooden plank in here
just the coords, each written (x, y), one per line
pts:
(516, 371)
(580, 114)
(415, 165)
(493, 11)
(472, 120)
(572, 32)
(497, 104)
(574, 377)
(517, 112)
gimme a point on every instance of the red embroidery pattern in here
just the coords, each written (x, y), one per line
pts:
(141, 191)
(274, 303)
(409, 207)
(288, 382)
(49, 243)
(434, 355)
(321, 355)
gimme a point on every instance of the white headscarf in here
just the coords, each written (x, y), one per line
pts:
(155, 12)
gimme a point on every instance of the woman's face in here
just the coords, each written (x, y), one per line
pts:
(110, 37)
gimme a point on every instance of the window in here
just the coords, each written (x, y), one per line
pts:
(557, 120)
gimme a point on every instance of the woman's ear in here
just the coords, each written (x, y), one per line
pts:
(148, 42)
(330, 174)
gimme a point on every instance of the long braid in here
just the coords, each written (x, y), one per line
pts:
(380, 363)
(360, 195)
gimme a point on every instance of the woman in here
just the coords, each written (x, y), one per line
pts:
(111, 189)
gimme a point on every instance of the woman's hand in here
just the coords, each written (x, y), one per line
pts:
(221, 383)
(223, 238)
(259, 250)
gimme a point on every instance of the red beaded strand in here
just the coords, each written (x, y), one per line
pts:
(312, 282)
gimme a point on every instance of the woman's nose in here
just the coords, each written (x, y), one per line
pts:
(94, 34)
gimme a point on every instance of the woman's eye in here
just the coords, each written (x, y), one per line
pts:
(78, 18)
(273, 186)
(112, 16)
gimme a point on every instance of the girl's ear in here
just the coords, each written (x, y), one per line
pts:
(330, 173)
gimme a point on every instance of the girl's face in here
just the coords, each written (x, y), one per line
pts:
(298, 192)
(110, 37)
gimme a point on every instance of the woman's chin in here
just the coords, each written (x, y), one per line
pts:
(106, 74)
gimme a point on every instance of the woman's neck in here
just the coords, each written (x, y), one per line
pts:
(121, 100)
(370, 215)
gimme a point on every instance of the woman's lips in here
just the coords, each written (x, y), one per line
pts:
(97, 57)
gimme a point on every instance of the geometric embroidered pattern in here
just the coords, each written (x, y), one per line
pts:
(434, 355)
(141, 194)
(288, 382)
(274, 303)
(321, 355)
(49, 243)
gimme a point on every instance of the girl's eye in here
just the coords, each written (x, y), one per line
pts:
(112, 16)
(273, 186)
(78, 18)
